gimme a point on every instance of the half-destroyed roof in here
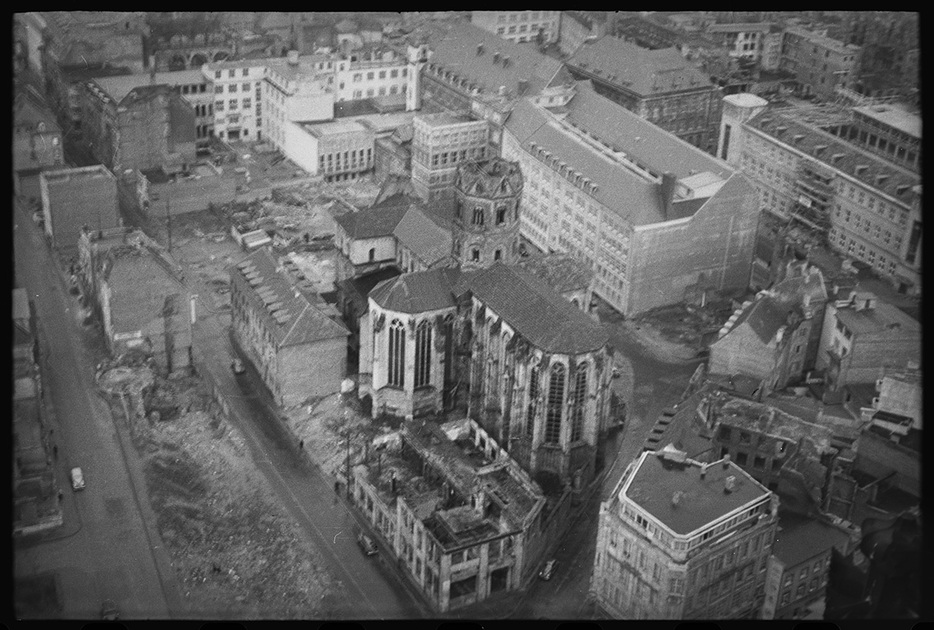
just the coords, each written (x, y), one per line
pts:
(561, 272)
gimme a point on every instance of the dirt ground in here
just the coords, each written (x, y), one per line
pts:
(236, 552)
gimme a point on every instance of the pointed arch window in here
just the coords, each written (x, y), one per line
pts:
(423, 354)
(396, 354)
(578, 402)
(533, 402)
(555, 400)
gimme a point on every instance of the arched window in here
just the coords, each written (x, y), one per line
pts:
(533, 402)
(475, 255)
(423, 354)
(578, 402)
(555, 399)
(497, 255)
(396, 354)
(372, 254)
(478, 216)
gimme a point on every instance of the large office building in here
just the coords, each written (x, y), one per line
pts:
(520, 26)
(656, 219)
(659, 85)
(835, 170)
(441, 142)
(681, 539)
(820, 64)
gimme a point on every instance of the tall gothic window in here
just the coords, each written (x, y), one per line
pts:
(478, 216)
(500, 215)
(578, 402)
(396, 353)
(555, 398)
(423, 354)
(533, 402)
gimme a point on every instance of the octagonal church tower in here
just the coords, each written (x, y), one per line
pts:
(486, 214)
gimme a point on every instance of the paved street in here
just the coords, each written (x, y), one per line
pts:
(104, 550)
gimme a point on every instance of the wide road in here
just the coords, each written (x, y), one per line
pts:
(104, 550)
(368, 587)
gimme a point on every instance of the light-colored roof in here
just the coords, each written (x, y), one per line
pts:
(883, 318)
(895, 117)
(745, 99)
(640, 70)
(20, 304)
(334, 128)
(119, 86)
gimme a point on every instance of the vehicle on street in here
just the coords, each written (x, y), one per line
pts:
(548, 570)
(237, 366)
(366, 543)
(109, 610)
(77, 479)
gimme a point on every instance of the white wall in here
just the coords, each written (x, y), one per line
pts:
(301, 147)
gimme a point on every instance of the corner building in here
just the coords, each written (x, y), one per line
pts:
(679, 539)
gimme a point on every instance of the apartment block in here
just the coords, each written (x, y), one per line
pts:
(681, 539)
(654, 218)
(295, 90)
(441, 142)
(381, 73)
(820, 64)
(520, 26)
(238, 97)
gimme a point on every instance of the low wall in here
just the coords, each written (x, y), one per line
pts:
(190, 195)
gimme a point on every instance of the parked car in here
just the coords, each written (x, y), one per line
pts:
(548, 570)
(77, 479)
(237, 366)
(366, 543)
(109, 610)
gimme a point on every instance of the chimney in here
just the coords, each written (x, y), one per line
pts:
(666, 189)
(480, 49)
(505, 61)
(729, 484)
(496, 56)
(726, 462)
(676, 498)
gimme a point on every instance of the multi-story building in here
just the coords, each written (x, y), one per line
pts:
(460, 516)
(652, 216)
(775, 337)
(75, 198)
(295, 90)
(152, 126)
(381, 72)
(486, 213)
(820, 64)
(658, 85)
(190, 84)
(37, 140)
(440, 143)
(534, 370)
(136, 291)
(806, 168)
(339, 150)
(887, 129)
(520, 26)
(681, 539)
(864, 336)
(744, 40)
(238, 97)
(891, 47)
(298, 348)
(577, 27)
(88, 38)
(800, 566)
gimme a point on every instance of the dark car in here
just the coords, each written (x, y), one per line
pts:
(366, 543)
(548, 570)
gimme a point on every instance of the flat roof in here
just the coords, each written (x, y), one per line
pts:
(440, 119)
(745, 99)
(657, 480)
(333, 128)
(83, 172)
(800, 538)
(894, 116)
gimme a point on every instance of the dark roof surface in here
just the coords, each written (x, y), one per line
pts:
(764, 316)
(559, 271)
(800, 538)
(417, 292)
(702, 501)
(372, 222)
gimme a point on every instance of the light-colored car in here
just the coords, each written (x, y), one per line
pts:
(366, 543)
(77, 479)
(548, 570)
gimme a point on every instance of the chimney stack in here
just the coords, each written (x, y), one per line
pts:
(676, 498)
(726, 462)
(480, 49)
(496, 57)
(729, 484)
(666, 189)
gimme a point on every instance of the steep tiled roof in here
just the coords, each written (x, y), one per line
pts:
(418, 292)
(537, 312)
(454, 48)
(765, 316)
(702, 501)
(561, 272)
(372, 222)
(640, 70)
(298, 321)
(422, 236)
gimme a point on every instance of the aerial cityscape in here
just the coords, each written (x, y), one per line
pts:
(467, 315)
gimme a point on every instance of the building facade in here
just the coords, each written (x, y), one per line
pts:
(742, 40)
(658, 85)
(520, 26)
(486, 213)
(820, 64)
(866, 207)
(679, 539)
(75, 198)
(382, 72)
(648, 213)
(37, 141)
(440, 143)
(577, 27)
(297, 347)
(238, 97)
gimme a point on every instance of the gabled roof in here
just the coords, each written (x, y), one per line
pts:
(423, 237)
(640, 70)
(454, 47)
(372, 222)
(297, 321)
(535, 311)
(561, 272)
(765, 316)
(418, 292)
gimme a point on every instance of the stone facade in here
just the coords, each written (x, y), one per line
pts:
(486, 215)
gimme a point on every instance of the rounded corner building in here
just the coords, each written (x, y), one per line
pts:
(486, 213)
